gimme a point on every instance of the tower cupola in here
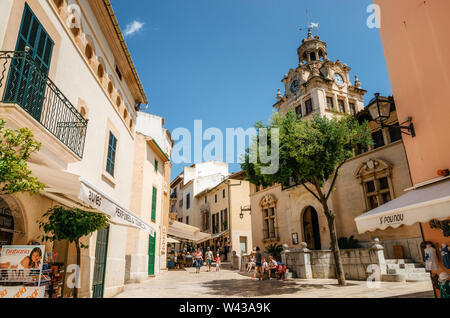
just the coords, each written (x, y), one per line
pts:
(312, 50)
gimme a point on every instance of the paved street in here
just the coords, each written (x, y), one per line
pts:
(187, 284)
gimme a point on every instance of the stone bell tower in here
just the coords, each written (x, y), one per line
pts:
(319, 85)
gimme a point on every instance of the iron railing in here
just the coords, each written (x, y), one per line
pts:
(25, 82)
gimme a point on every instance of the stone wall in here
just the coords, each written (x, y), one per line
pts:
(307, 264)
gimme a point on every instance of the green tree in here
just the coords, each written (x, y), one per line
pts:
(60, 223)
(274, 250)
(311, 152)
(16, 147)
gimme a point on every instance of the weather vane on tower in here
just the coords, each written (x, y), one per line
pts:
(311, 25)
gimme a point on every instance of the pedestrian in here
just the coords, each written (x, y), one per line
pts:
(209, 258)
(218, 262)
(258, 264)
(199, 261)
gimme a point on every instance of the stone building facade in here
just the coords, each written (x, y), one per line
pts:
(374, 176)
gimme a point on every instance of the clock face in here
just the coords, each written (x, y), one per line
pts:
(338, 79)
(294, 87)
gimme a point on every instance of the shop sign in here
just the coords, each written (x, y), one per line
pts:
(21, 264)
(22, 257)
(119, 215)
(397, 218)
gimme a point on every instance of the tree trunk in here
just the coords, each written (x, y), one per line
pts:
(340, 274)
(75, 290)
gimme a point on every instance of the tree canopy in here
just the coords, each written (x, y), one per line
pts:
(70, 224)
(310, 150)
(16, 147)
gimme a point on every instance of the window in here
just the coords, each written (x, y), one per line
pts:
(154, 196)
(119, 74)
(215, 223)
(395, 133)
(206, 199)
(156, 165)
(309, 106)
(215, 198)
(352, 108)
(187, 219)
(376, 184)
(221, 220)
(188, 201)
(341, 106)
(298, 110)
(243, 244)
(378, 139)
(225, 220)
(268, 208)
(330, 103)
(111, 159)
(223, 193)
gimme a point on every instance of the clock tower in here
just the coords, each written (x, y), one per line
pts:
(319, 85)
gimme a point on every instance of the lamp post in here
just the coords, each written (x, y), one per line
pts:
(380, 112)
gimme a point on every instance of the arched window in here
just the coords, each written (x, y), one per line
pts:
(269, 211)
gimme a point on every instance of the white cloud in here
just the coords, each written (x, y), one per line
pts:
(133, 27)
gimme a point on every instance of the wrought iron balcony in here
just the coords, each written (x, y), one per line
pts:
(25, 83)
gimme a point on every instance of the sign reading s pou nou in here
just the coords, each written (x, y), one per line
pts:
(397, 218)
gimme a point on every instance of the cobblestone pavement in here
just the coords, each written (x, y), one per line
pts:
(187, 284)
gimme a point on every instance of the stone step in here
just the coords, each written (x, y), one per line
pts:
(397, 278)
(399, 261)
(418, 277)
(412, 265)
(410, 270)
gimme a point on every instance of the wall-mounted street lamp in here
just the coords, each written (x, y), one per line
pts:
(245, 209)
(380, 110)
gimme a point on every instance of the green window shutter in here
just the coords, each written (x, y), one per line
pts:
(154, 204)
(156, 165)
(111, 158)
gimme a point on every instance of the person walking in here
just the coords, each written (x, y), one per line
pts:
(209, 258)
(199, 262)
(218, 262)
(258, 264)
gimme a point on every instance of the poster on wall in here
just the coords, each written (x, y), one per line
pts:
(22, 257)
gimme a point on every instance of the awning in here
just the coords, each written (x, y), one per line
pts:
(431, 202)
(73, 191)
(186, 232)
(172, 240)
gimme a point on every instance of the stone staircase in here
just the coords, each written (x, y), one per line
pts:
(405, 270)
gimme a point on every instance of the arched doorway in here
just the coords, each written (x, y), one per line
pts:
(311, 229)
(6, 224)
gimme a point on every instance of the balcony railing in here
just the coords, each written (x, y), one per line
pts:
(24, 82)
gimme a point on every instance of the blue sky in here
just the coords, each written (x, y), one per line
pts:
(222, 61)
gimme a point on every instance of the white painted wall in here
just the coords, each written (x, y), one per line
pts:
(4, 17)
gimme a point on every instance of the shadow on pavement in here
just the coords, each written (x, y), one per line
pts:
(250, 288)
(428, 294)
